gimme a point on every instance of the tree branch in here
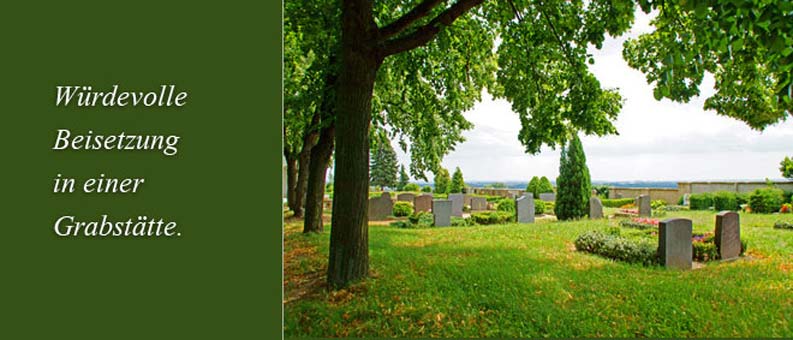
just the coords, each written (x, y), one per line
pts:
(424, 34)
(409, 18)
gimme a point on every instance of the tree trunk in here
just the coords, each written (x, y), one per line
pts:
(291, 181)
(315, 191)
(310, 136)
(349, 235)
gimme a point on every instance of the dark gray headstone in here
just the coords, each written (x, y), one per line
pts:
(478, 203)
(674, 243)
(381, 207)
(524, 208)
(442, 212)
(467, 200)
(643, 204)
(422, 203)
(595, 208)
(548, 196)
(457, 204)
(406, 197)
(728, 235)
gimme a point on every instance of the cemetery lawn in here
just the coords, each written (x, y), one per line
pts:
(529, 281)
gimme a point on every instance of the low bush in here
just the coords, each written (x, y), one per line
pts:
(614, 246)
(705, 251)
(701, 201)
(616, 202)
(492, 217)
(413, 187)
(673, 208)
(462, 222)
(766, 200)
(548, 207)
(725, 200)
(402, 224)
(423, 219)
(402, 208)
(640, 223)
(657, 204)
(426, 189)
(741, 199)
(539, 207)
(506, 204)
(783, 225)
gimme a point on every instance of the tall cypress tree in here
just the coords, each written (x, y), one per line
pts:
(383, 169)
(532, 187)
(442, 181)
(458, 184)
(573, 185)
(403, 178)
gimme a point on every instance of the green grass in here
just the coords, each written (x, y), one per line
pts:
(528, 281)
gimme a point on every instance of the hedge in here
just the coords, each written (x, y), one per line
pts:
(701, 201)
(616, 202)
(618, 248)
(492, 217)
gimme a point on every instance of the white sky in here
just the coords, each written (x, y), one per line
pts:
(658, 140)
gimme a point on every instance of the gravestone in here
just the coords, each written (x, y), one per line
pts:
(524, 209)
(643, 204)
(478, 203)
(685, 199)
(674, 243)
(467, 200)
(381, 207)
(548, 196)
(406, 197)
(457, 204)
(422, 203)
(595, 208)
(728, 235)
(442, 212)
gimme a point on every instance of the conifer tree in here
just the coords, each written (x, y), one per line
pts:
(403, 178)
(458, 184)
(383, 169)
(573, 184)
(442, 181)
(533, 186)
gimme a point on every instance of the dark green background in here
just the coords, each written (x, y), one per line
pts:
(222, 278)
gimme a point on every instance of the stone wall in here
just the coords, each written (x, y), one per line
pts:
(511, 193)
(671, 196)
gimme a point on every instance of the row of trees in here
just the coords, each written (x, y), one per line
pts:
(416, 65)
(539, 185)
(383, 172)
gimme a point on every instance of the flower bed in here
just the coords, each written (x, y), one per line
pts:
(640, 223)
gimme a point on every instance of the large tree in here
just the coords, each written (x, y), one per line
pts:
(542, 71)
(573, 186)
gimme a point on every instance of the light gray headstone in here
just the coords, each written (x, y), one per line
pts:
(595, 208)
(728, 235)
(478, 203)
(457, 204)
(422, 203)
(643, 203)
(674, 243)
(524, 208)
(685, 198)
(406, 197)
(442, 212)
(380, 207)
(548, 196)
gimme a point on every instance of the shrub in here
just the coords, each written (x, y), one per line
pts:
(640, 223)
(701, 201)
(783, 225)
(492, 217)
(402, 208)
(725, 200)
(705, 251)
(656, 204)
(412, 187)
(549, 207)
(423, 219)
(766, 200)
(674, 208)
(506, 204)
(539, 207)
(616, 202)
(425, 188)
(462, 222)
(741, 199)
(402, 224)
(617, 247)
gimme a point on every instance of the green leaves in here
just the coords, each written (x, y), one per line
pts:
(745, 44)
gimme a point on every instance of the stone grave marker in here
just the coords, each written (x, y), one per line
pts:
(442, 212)
(457, 204)
(643, 204)
(524, 209)
(478, 203)
(380, 207)
(548, 196)
(674, 243)
(595, 208)
(728, 235)
(422, 203)
(406, 197)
